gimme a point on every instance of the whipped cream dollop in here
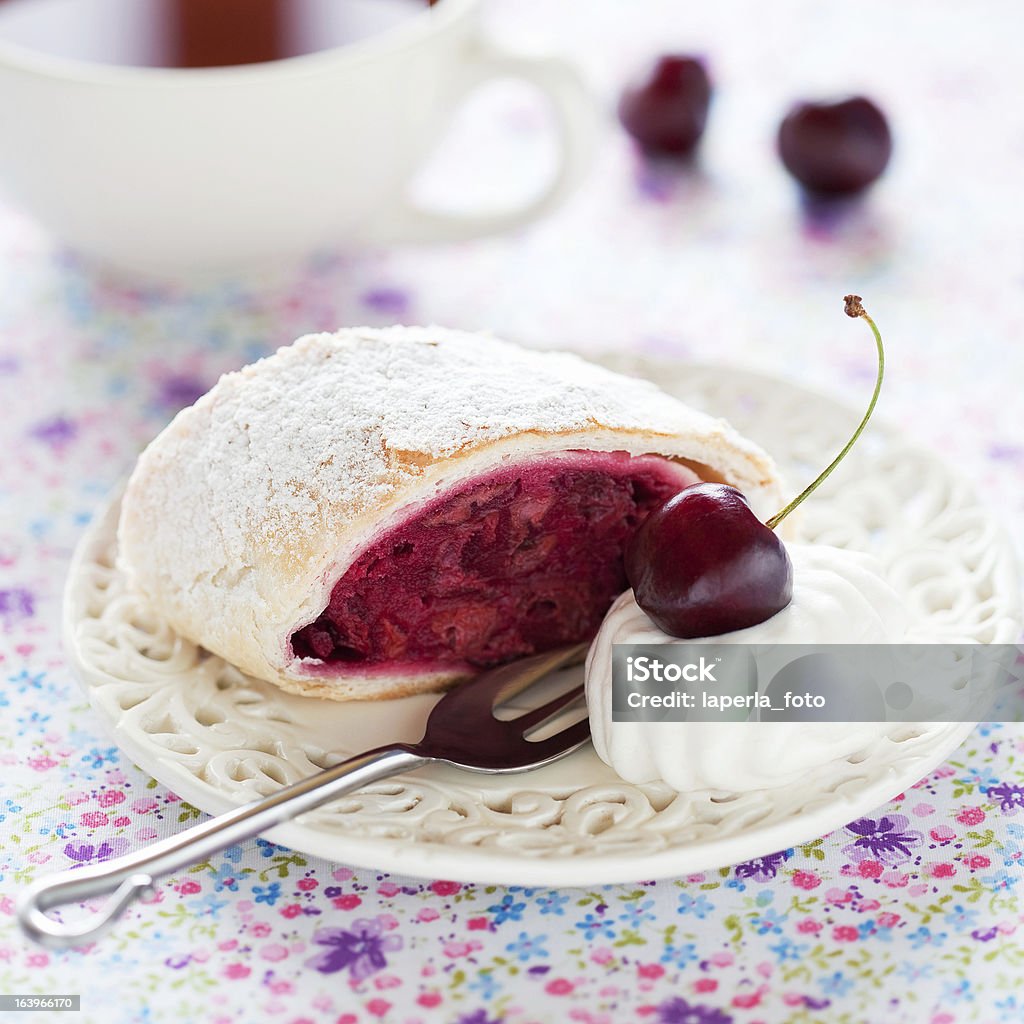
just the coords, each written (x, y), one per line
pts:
(839, 597)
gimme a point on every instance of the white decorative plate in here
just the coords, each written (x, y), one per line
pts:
(219, 738)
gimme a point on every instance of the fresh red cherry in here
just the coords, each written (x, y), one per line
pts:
(835, 148)
(704, 564)
(666, 112)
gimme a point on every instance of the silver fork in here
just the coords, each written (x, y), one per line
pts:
(461, 731)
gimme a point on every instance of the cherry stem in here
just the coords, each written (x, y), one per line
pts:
(853, 309)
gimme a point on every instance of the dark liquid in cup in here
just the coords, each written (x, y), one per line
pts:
(195, 33)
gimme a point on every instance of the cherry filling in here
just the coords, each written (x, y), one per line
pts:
(514, 562)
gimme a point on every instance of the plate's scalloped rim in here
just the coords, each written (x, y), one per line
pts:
(428, 853)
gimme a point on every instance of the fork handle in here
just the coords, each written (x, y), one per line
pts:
(132, 875)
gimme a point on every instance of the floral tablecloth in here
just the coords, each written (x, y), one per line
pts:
(911, 914)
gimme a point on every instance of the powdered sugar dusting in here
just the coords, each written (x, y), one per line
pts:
(333, 418)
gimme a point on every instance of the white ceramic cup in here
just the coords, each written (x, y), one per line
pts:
(179, 170)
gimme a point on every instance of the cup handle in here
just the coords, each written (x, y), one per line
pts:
(576, 127)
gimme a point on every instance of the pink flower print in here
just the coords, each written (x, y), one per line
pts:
(342, 874)
(37, 960)
(442, 888)
(260, 929)
(653, 971)
(806, 880)
(122, 822)
(274, 953)
(559, 987)
(942, 834)
(188, 888)
(348, 901)
(360, 949)
(943, 870)
(808, 926)
(602, 955)
(895, 879)
(237, 971)
(976, 861)
(94, 819)
(41, 764)
(429, 999)
(388, 889)
(378, 1007)
(427, 914)
(704, 985)
(845, 933)
(869, 869)
(457, 949)
(307, 884)
(109, 797)
(748, 1002)
(971, 816)
(144, 805)
(386, 981)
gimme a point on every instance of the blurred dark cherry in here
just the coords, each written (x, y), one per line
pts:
(703, 564)
(835, 149)
(666, 112)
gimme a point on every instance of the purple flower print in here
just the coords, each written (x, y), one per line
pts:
(1006, 453)
(177, 391)
(477, 1017)
(85, 852)
(760, 869)
(886, 839)
(361, 950)
(15, 605)
(817, 1004)
(679, 1011)
(56, 432)
(389, 301)
(1010, 798)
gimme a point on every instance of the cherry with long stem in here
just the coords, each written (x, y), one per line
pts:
(703, 564)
